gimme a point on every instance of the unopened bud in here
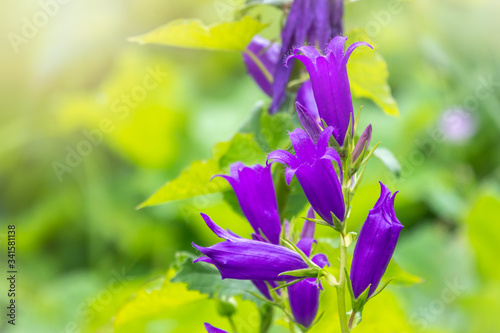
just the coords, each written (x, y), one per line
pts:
(363, 143)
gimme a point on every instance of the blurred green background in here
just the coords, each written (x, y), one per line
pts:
(83, 250)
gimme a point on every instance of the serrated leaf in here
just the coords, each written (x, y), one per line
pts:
(206, 279)
(389, 160)
(400, 276)
(368, 74)
(157, 297)
(195, 180)
(229, 36)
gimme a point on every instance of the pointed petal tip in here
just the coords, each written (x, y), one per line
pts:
(199, 248)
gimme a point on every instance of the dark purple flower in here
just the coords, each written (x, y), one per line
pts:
(304, 295)
(330, 82)
(312, 164)
(268, 55)
(363, 141)
(211, 329)
(254, 189)
(245, 259)
(376, 243)
(315, 21)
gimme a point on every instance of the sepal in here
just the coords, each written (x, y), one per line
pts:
(357, 303)
(379, 290)
(291, 273)
(302, 273)
(308, 261)
(317, 221)
(337, 224)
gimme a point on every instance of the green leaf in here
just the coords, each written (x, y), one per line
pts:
(368, 74)
(206, 279)
(271, 131)
(195, 180)
(275, 129)
(157, 297)
(229, 36)
(484, 233)
(389, 160)
(399, 276)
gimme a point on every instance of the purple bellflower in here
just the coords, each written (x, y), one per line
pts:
(254, 189)
(330, 83)
(322, 22)
(211, 329)
(304, 295)
(268, 54)
(375, 246)
(312, 164)
(244, 259)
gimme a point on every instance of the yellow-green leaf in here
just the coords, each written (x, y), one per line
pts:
(158, 297)
(400, 277)
(368, 74)
(484, 232)
(232, 36)
(195, 180)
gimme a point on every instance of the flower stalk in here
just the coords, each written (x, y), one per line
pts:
(341, 285)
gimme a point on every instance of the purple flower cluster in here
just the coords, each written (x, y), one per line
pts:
(262, 259)
(316, 164)
(322, 22)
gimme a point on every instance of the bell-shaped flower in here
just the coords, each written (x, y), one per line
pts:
(245, 259)
(375, 245)
(322, 22)
(211, 329)
(330, 82)
(254, 189)
(312, 164)
(260, 58)
(304, 295)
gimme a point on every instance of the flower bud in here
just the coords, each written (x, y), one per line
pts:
(375, 246)
(363, 141)
(309, 122)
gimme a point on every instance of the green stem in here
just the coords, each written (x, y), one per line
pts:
(261, 66)
(341, 286)
(231, 322)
